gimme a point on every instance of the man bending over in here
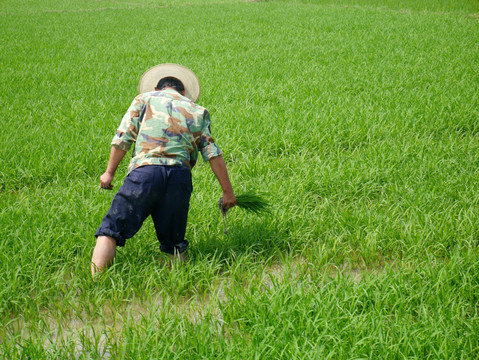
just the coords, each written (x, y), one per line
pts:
(168, 129)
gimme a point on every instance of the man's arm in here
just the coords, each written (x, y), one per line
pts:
(116, 155)
(218, 167)
(125, 136)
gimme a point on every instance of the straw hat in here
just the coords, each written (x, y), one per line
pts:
(150, 79)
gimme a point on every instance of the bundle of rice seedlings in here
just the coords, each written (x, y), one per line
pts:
(248, 201)
(252, 202)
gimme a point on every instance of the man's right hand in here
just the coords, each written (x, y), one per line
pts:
(105, 181)
(116, 154)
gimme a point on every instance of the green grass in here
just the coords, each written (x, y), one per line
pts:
(358, 118)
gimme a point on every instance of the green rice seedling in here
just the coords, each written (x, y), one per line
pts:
(249, 201)
(252, 202)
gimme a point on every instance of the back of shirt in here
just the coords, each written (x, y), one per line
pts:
(168, 129)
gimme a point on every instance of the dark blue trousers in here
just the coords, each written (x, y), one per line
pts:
(160, 191)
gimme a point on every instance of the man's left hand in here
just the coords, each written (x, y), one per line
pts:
(229, 200)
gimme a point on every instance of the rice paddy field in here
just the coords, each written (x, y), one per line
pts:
(358, 118)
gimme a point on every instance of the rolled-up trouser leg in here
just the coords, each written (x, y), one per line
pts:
(131, 206)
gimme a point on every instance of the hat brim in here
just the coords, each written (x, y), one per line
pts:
(150, 79)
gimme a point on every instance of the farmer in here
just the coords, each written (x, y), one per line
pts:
(167, 128)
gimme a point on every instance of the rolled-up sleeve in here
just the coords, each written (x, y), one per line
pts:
(207, 145)
(127, 132)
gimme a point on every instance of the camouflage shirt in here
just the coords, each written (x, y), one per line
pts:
(167, 129)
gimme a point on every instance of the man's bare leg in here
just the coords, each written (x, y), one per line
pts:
(103, 254)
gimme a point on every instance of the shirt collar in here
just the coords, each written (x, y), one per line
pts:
(170, 91)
